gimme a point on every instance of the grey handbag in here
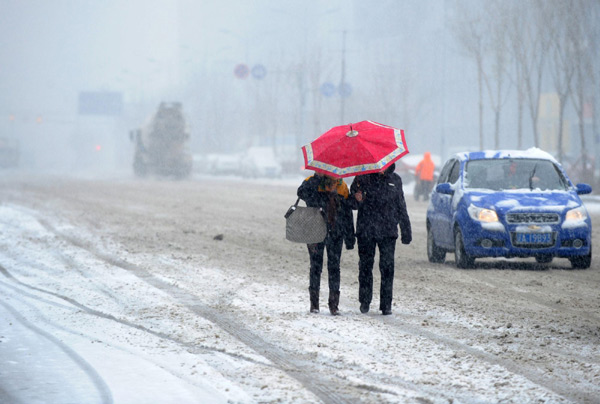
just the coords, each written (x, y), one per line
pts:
(305, 225)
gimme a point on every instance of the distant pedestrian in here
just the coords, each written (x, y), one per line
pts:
(424, 177)
(331, 195)
(379, 199)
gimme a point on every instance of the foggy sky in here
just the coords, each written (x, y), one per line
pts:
(153, 50)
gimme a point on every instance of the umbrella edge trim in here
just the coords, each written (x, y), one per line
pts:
(358, 169)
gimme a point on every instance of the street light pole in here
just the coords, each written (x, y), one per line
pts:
(343, 78)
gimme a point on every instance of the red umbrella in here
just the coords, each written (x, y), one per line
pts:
(355, 149)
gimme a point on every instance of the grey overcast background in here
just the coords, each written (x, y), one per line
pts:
(398, 58)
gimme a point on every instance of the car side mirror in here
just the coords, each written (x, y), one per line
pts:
(583, 189)
(444, 188)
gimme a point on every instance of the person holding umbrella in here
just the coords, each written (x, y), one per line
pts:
(331, 195)
(368, 150)
(379, 199)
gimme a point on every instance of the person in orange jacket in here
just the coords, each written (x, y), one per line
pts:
(424, 176)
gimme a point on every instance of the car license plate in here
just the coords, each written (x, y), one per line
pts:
(534, 238)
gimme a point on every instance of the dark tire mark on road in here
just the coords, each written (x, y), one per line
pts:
(73, 303)
(103, 390)
(5, 397)
(302, 370)
(539, 301)
(529, 372)
(325, 387)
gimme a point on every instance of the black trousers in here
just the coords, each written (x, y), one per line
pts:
(423, 188)
(334, 252)
(366, 253)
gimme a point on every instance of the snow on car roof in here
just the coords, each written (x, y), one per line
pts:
(532, 152)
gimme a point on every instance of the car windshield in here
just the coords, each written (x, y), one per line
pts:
(502, 174)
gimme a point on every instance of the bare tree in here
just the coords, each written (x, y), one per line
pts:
(497, 19)
(531, 51)
(582, 42)
(389, 99)
(315, 81)
(207, 93)
(470, 31)
(595, 54)
(516, 31)
(558, 25)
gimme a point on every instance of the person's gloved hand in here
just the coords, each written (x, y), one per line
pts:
(406, 238)
(350, 246)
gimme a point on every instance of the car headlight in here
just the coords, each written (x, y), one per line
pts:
(576, 214)
(482, 214)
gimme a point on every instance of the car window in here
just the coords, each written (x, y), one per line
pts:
(445, 172)
(454, 173)
(501, 174)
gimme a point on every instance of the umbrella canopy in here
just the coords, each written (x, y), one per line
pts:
(355, 149)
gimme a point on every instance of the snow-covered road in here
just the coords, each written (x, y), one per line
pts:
(118, 291)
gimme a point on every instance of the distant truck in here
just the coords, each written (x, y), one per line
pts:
(162, 145)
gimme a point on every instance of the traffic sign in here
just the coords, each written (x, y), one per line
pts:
(259, 72)
(327, 89)
(241, 71)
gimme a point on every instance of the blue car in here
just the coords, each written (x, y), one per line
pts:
(507, 204)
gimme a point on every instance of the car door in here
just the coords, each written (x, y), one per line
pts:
(445, 209)
(439, 208)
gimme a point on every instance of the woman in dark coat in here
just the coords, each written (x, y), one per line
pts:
(331, 195)
(379, 199)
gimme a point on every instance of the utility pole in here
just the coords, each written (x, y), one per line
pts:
(343, 78)
(443, 128)
(302, 89)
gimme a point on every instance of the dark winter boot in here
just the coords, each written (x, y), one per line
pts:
(314, 300)
(334, 301)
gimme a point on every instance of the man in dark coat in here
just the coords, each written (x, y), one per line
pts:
(332, 196)
(379, 199)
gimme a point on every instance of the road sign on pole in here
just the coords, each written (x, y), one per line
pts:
(327, 89)
(259, 72)
(241, 71)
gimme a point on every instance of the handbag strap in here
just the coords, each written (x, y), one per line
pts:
(292, 209)
(296, 205)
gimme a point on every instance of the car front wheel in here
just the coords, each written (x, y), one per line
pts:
(434, 253)
(463, 260)
(581, 262)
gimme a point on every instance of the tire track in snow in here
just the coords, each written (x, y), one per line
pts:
(531, 373)
(492, 283)
(296, 368)
(300, 370)
(104, 391)
(575, 274)
(416, 329)
(556, 385)
(5, 397)
(73, 303)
